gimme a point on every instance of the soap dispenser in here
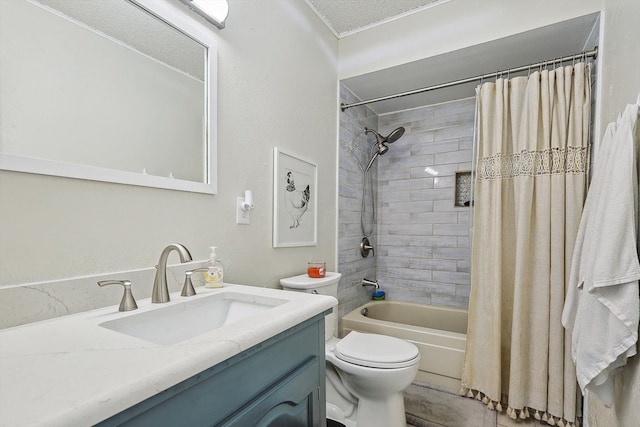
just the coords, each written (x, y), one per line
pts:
(214, 275)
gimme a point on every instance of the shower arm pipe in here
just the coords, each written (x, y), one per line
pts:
(586, 54)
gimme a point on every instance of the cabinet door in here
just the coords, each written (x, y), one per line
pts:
(292, 402)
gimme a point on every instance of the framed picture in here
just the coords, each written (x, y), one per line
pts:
(295, 196)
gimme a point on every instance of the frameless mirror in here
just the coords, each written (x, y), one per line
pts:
(108, 90)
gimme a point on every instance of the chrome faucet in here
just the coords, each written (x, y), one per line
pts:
(367, 282)
(160, 289)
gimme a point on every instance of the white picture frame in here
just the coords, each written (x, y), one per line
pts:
(295, 196)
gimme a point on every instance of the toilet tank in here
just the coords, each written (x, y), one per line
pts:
(327, 285)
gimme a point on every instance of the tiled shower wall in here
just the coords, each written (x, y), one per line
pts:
(353, 153)
(423, 239)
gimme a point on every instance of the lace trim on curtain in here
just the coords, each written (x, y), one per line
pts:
(514, 414)
(570, 160)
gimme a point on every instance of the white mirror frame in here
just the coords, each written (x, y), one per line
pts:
(177, 16)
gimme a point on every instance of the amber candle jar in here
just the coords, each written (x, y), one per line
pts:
(316, 269)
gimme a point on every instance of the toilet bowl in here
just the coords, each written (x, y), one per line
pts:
(366, 373)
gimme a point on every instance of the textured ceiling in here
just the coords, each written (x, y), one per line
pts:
(346, 16)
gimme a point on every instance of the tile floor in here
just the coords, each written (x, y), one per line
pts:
(427, 406)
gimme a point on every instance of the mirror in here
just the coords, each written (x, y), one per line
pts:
(108, 90)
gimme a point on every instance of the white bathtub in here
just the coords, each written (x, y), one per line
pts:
(439, 332)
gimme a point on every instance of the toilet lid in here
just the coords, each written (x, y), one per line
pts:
(376, 351)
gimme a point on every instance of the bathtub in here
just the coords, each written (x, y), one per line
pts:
(439, 332)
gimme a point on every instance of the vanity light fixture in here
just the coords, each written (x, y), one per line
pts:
(214, 11)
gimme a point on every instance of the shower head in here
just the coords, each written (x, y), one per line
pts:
(395, 135)
(382, 148)
(382, 142)
(392, 137)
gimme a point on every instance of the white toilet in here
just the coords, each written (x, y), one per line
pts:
(366, 373)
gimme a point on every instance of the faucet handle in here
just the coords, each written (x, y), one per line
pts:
(187, 289)
(366, 247)
(128, 302)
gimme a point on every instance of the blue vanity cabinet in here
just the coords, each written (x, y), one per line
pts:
(277, 383)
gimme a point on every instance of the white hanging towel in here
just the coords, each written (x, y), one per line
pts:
(602, 308)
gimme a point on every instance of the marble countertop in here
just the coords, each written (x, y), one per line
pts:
(71, 371)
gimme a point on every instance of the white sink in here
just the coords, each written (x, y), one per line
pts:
(174, 323)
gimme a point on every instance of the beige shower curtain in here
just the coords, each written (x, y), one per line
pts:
(530, 188)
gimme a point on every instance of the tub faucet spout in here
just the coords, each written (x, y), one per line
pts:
(367, 282)
(160, 289)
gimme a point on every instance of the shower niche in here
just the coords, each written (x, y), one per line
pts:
(462, 197)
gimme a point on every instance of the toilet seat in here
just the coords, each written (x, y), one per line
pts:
(376, 351)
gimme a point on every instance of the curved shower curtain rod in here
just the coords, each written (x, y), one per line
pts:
(586, 54)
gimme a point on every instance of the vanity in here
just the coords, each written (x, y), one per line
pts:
(235, 356)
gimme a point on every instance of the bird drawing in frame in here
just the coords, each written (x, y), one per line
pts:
(296, 201)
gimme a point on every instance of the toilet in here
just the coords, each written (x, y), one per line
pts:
(366, 374)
